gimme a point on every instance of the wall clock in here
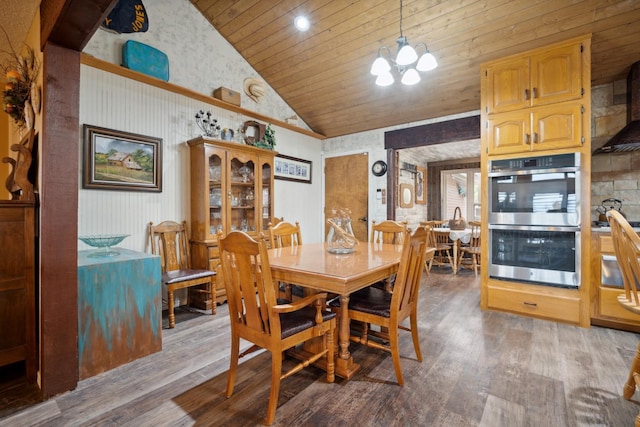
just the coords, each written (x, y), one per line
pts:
(379, 168)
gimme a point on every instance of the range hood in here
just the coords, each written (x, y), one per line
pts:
(628, 139)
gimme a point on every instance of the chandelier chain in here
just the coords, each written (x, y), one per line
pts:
(400, 18)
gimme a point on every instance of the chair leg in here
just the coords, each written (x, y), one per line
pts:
(172, 316)
(630, 386)
(233, 364)
(395, 354)
(276, 373)
(414, 335)
(474, 259)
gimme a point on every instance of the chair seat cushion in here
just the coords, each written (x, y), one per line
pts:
(298, 321)
(369, 300)
(181, 275)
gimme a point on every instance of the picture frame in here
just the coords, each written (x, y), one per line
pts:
(406, 196)
(421, 185)
(292, 169)
(117, 160)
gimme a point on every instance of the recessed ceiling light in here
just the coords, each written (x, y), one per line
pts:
(301, 23)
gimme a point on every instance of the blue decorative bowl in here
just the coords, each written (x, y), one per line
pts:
(103, 242)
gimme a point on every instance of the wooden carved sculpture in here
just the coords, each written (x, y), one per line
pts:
(18, 183)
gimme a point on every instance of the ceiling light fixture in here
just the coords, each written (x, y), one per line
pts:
(403, 62)
(301, 23)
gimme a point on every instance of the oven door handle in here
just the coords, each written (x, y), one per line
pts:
(534, 227)
(505, 172)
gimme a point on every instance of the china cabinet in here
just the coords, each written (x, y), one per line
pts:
(231, 189)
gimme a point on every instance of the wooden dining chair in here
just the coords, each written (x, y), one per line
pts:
(256, 317)
(390, 232)
(472, 250)
(444, 247)
(285, 234)
(626, 244)
(388, 310)
(170, 240)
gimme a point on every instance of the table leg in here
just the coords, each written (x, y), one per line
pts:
(455, 256)
(345, 367)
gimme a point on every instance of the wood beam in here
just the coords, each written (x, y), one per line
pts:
(434, 133)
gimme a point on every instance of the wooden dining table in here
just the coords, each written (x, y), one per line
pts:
(313, 267)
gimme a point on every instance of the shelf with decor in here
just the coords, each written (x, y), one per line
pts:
(231, 189)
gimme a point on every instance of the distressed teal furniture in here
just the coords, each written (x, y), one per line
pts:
(119, 309)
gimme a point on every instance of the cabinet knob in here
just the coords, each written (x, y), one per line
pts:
(527, 139)
(535, 137)
(535, 92)
(526, 94)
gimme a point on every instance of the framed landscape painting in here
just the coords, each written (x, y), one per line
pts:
(116, 160)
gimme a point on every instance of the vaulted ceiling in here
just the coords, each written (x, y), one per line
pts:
(323, 74)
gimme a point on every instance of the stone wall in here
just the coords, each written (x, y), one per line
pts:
(612, 175)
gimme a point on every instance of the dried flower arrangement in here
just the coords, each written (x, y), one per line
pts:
(21, 72)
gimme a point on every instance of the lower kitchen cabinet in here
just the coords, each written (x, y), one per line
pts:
(605, 309)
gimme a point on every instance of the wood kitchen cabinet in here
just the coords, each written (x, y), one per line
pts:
(538, 102)
(231, 189)
(542, 128)
(546, 77)
(17, 286)
(605, 309)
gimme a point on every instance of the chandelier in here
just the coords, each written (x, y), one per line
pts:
(403, 63)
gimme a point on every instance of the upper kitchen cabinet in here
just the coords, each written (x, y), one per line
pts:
(548, 77)
(231, 189)
(545, 128)
(537, 101)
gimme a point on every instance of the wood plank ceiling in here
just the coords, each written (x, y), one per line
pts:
(323, 74)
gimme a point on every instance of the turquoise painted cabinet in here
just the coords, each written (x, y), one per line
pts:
(119, 309)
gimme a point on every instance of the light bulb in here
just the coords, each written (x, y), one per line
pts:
(384, 79)
(410, 77)
(407, 55)
(301, 23)
(427, 62)
(380, 66)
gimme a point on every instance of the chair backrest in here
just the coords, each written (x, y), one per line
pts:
(246, 274)
(388, 232)
(284, 234)
(407, 284)
(626, 244)
(475, 234)
(170, 240)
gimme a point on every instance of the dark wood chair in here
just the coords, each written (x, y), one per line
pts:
(626, 244)
(285, 234)
(388, 310)
(170, 240)
(469, 256)
(256, 317)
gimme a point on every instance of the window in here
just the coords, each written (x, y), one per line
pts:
(461, 188)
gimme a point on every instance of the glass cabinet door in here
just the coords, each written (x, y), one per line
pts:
(241, 196)
(266, 192)
(215, 194)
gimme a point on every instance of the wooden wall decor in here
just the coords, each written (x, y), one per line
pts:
(18, 182)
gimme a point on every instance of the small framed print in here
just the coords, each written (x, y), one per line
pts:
(116, 160)
(292, 169)
(421, 185)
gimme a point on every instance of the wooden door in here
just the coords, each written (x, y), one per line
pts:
(346, 182)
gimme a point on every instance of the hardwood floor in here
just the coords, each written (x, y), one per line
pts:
(479, 369)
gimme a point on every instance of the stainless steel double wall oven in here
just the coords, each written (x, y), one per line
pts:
(534, 220)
